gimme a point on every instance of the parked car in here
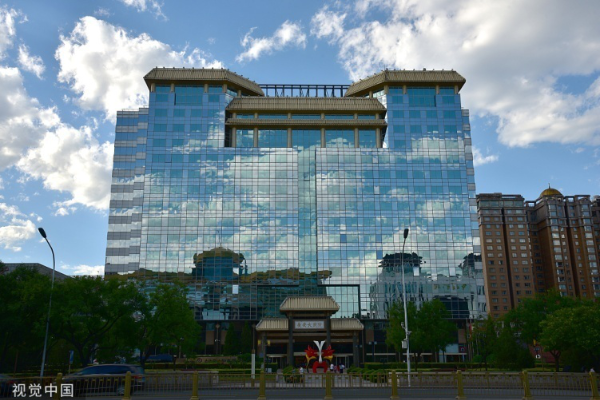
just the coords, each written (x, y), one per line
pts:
(6, 385)
(162, 358)
(106, 378)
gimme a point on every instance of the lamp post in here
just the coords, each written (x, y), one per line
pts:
(373, 343)
(253, 352)
(43, 233)
(406, 331)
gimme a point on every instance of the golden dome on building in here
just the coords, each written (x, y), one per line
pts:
(550, 192)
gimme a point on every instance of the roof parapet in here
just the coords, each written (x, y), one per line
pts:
(308, 104)
(405, 77)
(188, 75)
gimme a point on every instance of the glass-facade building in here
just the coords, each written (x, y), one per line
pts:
(250, 198)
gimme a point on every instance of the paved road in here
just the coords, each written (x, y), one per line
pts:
(310, 394)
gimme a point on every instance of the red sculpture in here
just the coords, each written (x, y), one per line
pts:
(312, 354)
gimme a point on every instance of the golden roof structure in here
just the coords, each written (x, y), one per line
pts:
(188, 75)
(405, 77)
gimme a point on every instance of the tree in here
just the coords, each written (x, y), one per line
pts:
(528, 316)
(246, 339)
(232, 342)
(429, 326)
(434, 320)
(163, 316)
(86, 309)
(574, 329)
(484, 338)
(24, 295)
(510, 352)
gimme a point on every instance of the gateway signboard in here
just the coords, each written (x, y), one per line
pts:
(302, 325)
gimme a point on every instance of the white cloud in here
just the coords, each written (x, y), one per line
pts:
(35, 140)
(33, 64)
(102, 12)
(72, 160)
(23, 120)
(146, 5)
(63, 208)
(326, 23)
(15, 227)
(103, 65)
(7, 28)
(288, 34)
(83, 269)
(480, 159)
(511, 60)
(22, 197)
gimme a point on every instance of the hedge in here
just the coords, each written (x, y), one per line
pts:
(209, 366)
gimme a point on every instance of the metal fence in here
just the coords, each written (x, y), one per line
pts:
(192, 384)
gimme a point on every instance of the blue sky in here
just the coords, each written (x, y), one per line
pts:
(66, 67)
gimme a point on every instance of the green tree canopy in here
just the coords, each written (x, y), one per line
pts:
(510, 352)
(232, 342)
(24, 295)
(430, 327)
(528, 316)
(86, 309)
(484, 338)
(574, 329)
(246, 339)
(162, 316)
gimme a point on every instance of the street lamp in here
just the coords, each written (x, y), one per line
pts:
(43, 233)
(406, 331)
(253, 352)
(373, 343)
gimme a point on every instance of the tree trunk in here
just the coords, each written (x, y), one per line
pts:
(82, 356)
(4, 352)
(144, 357)
(556, 355)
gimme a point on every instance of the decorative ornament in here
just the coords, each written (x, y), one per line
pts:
(312, 354)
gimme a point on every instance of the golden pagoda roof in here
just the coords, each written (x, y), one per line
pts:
(309, 303)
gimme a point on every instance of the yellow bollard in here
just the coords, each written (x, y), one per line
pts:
(328, 393)
(195, 386)
(594, 385)
(527, 392)
(460, 387)
(58, 385)
(262, 395)
(127, 395)
(394, 395)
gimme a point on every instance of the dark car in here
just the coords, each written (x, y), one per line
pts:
(160, 358)
(6, 385)
(106, 378)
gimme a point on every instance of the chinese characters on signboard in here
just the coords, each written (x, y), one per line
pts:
(309, 324)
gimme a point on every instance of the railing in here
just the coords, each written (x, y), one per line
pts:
(304, 90)
(194, 385)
